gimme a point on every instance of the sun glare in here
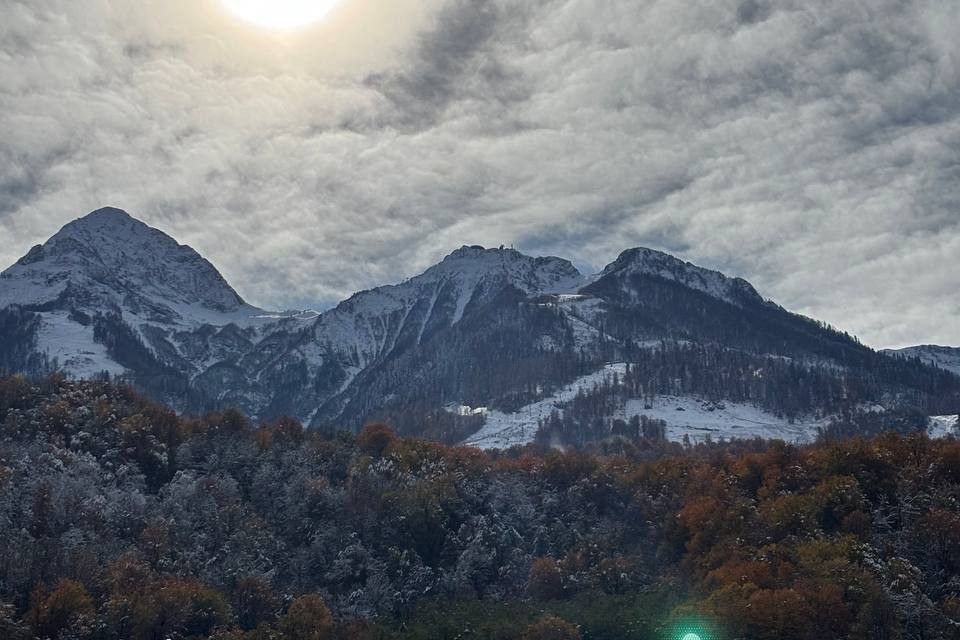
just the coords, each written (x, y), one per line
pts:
(280, 14)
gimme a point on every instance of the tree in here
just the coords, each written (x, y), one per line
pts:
(375, 439)
(778, 614)
(288, 429)
(51, 613)
(178, 606)
(545, 582)
(10, 628)
(940, 531)
(308, 618)
(42, 510)
(254, 602)
(551, 628)
(233, 421)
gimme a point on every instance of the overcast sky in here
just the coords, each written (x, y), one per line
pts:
(810, 146)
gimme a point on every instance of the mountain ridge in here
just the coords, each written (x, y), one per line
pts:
(947, 358)
(483, 327)
(642, 260)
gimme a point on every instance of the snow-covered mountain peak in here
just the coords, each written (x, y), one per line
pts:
(110, 294)
(372, 325)
(110, 260)
(472, 264)
(650, 262)
(105, 217)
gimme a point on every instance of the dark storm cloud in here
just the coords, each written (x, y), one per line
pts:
(812, 147)
(750, 11)
(456, 58)
(17, 186)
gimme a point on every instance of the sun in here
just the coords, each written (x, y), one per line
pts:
(280, 14)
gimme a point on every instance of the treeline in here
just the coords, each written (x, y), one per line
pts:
(787, 388)
(567, 428)
(121, 519)
(648, 306)
(644, 307)
(18, 342)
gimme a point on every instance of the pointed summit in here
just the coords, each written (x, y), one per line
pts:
(109, 260)
(107, 213)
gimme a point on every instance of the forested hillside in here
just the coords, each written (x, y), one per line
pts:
(849, 400)
(120, 519)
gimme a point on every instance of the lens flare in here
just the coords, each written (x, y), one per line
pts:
(690, 628)
(280, 14)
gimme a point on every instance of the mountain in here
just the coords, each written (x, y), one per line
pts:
(635, 264)
(491, 329)
(108, 264)
(947, 358)
(108, 259)
(408, 343)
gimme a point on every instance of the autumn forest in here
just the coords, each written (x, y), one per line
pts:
(122, 520)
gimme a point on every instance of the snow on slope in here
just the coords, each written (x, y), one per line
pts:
(699, 419)
(74, 347)
(685, 416)
(107, 262)
(505, 430)
(643, 261)
(108, 257)
(471, 267)
(366, 326)
(944, 357)
(943, 426)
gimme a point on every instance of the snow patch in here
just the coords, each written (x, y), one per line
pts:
(689, 416)
(505, 430)
(700, 419)
(947, 358)
(943, 426)
(73, 345)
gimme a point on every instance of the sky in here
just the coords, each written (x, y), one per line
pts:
(810, 146)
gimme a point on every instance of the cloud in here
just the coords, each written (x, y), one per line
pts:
(442, 65)
(812, 147)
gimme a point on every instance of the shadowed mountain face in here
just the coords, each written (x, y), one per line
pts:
(484, 327)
